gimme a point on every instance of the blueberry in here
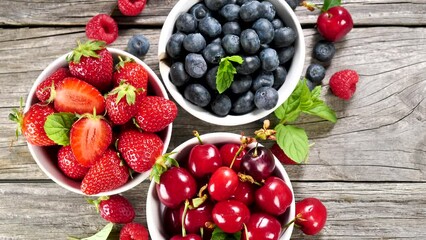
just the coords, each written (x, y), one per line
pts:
(284, 37)
(280, 75)
(241, 2)
(292, 3)
(174, 45)
(285, 54)
(213, 53)
(210, 27)
(269, 10)
(264, 79)
(199, 11)
(215, 5)
(230, 12)
(277, 23)
(195, 65)
(250, 41)
(311, 85)
(178, 75)
(194, 42)
(315, 72)
(138, 45)
(186, 23)
(266, 98)
(211, 78)
(197, 94)
(221, 105)
(250, 65)
(243, 104)
(231, 44)
(269, 59)
(241, 84)
(264, 30)
(217, 40)
(324, 51)
(231, 28)
(251, 11)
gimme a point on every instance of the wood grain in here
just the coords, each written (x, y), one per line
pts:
(76, 12)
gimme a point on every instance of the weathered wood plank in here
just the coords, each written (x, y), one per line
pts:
(380, 135)
(355, 210)
(75, 12)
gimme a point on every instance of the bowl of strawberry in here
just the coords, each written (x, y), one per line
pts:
(231, 62)
(220, 186)
(95, 120)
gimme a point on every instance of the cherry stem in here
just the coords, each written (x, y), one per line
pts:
(185, 210)
(255, 150)
(246, 231)
(298, 217)
(248, 178)
(236, 155)
(197, 135)
(202, 189)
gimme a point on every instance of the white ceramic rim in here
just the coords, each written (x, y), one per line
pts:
(155, 208)
(36, 150)
(284, 92)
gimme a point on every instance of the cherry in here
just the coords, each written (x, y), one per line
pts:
(203, 159)
(196, 218)
(223, 183)
(311, 215)
(172, 221)
(274, 197)
(176, 185)
(258, 162)
(262, 226)
(230, 215)
(334, 23)
(228, 153)
(187, 237)
(244, 193)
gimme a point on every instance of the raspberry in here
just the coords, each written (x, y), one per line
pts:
(343, 83)
(131, 7)
(133, 231)
(102, 27)
(279, 153)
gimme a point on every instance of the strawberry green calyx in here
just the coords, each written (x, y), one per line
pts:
(125, 89)
(97, 202)
(17, 115)
(162, 164)
(122, 63)
(87, 49)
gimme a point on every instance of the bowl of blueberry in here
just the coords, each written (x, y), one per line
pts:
(231, 62)
(220, 186)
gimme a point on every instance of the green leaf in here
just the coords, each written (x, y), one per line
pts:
(289, 111)
(330, 3)
(321, 110)
(218, 234)
(293, 141)
(226, 71)
(101, 235)
(305, 96)
(57, 127)
(316, 92)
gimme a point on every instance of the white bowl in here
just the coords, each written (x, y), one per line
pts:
(46, 159)
(154, 208)
(295, 72)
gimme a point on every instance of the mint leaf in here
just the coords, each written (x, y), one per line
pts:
(330, 3)
(305, 95)
(218, 234)
(289, 111)
(226, 71)
(293, 141)
(57, 127)
(321, 110)
(316, 92)
(101, 235)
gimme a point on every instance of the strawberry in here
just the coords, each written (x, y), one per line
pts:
(343, 83)
(90, 136)
(139, 149)
(119, 109)
(282, 157)
(134, 231)
(130, 71)
(77, 96)
(115, 208)
(69, 165)
(107, 174)
(43, 89)
(155, 113)
(31, 123)
(93, 63)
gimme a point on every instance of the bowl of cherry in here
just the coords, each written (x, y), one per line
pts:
(220, 185)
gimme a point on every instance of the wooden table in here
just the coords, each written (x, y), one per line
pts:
(368, 168)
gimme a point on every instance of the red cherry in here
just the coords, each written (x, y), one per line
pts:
(172, 221)
(196, 218)
(262, 226)
(187, 237)
(274, 197)
(244, 193)
(203, 160)
(230, 215)
(176, 185)
(334, 23)
(228, 152)
(222, 184)
(258, 162)
(311, 215)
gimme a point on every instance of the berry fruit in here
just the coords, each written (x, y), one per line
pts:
(315, 73)
(343, 83)
(134, 231)
(324, 51)
(311, 215)
(230, 215)
(44, 88)
(69, 165)
(334, 23)
(222, 184)
(269, 201)
(131, 7)
(259, 163)
(115, 208)
(155, 113)
(262, 226)
(203, 159)
(138, 45)
(102, 27)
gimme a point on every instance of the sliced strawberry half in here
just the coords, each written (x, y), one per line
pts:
(90, 136)
(77, 96)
